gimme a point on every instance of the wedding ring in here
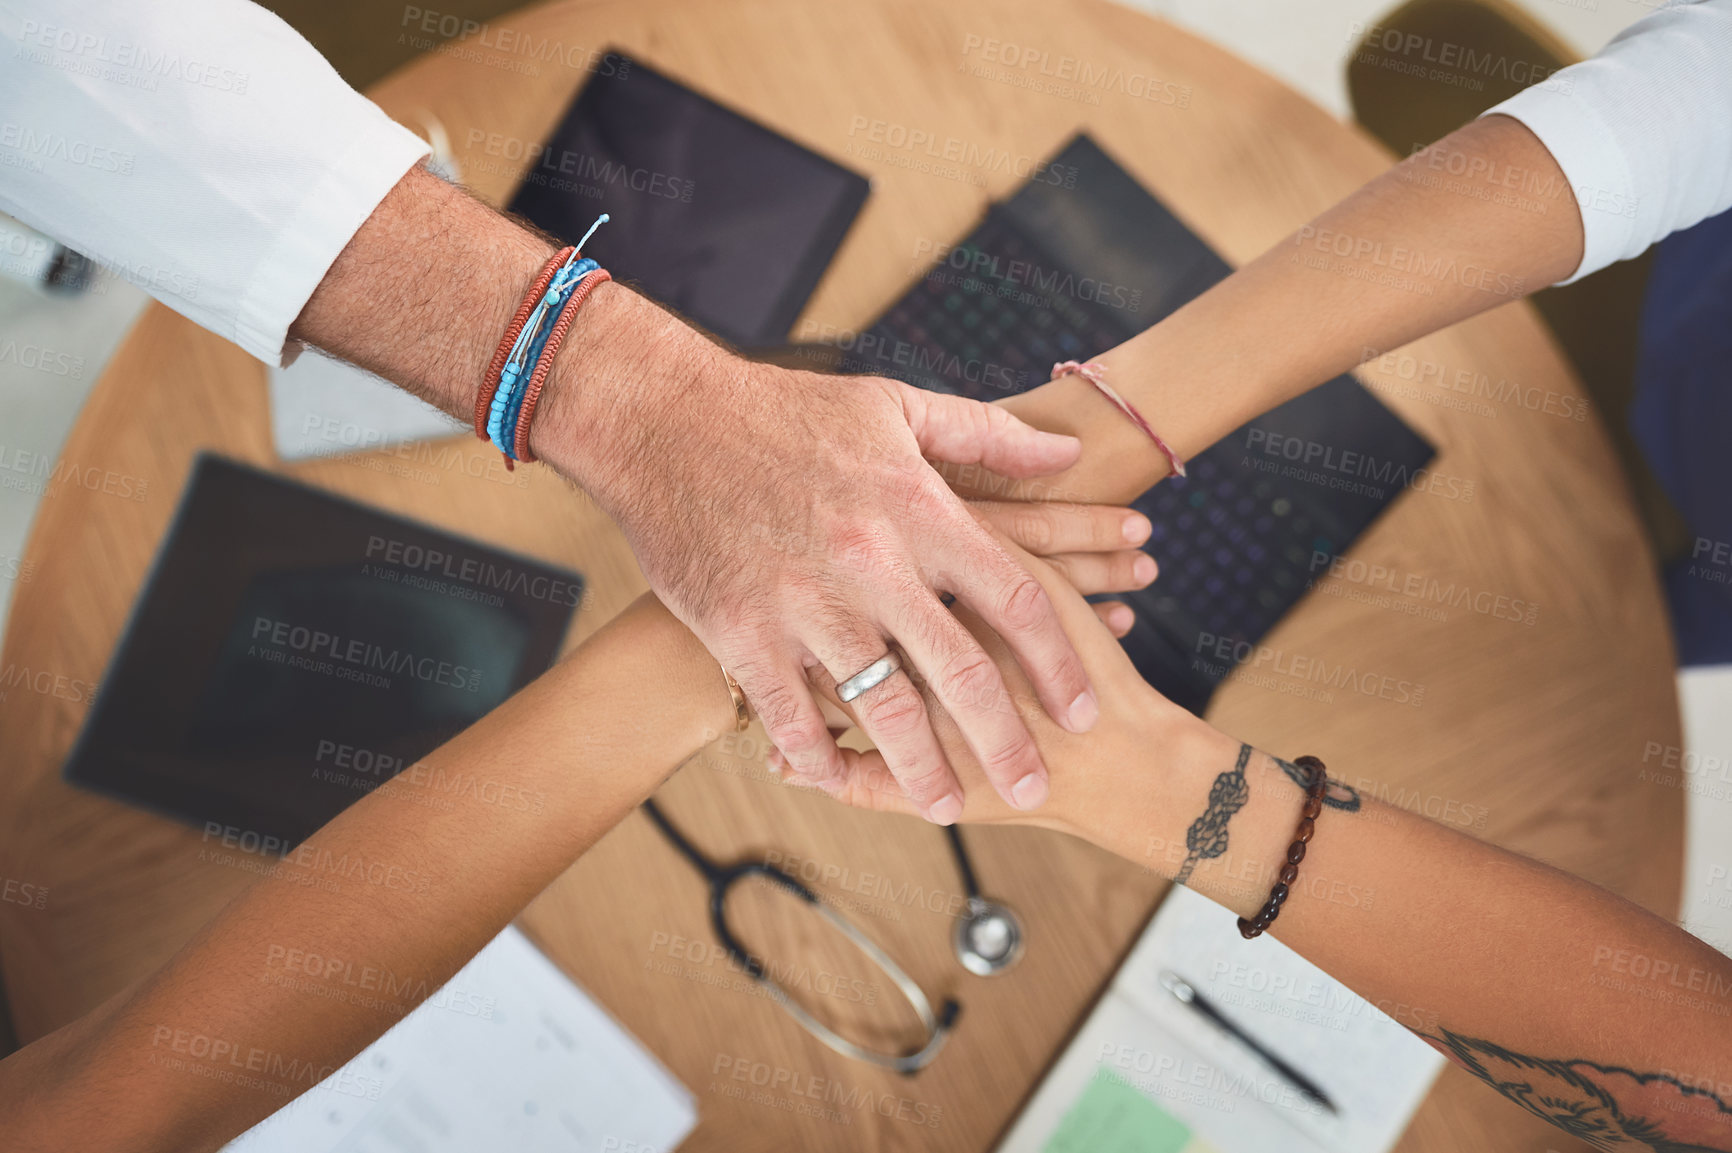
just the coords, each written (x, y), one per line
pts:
(872, 675)
(742, 712)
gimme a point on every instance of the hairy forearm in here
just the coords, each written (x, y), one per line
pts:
(425, 289)
(1572, 1001)
(1415, 250)
(411, 881)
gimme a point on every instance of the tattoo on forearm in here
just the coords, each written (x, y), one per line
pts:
(1339, 795)
(1207, 836)
(1607, 1106)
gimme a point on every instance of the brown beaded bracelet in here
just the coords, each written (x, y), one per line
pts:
(1319, 781)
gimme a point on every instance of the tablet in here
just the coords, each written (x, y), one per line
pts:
(712, 214)
(292, 650)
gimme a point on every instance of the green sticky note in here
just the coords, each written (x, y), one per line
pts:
(1113, 1117)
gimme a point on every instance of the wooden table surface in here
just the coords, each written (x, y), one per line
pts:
(1529, 734)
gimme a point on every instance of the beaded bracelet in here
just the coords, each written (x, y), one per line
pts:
(505, 403)
(1314, 789)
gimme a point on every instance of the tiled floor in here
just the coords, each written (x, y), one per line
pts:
(1304, 44)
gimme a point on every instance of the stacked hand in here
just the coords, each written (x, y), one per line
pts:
(822, 537)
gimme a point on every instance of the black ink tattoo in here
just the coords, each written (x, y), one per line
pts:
(1207, 836)
(1607, 1106)
(1338, 796)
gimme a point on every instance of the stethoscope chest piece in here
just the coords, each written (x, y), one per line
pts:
(987, 938)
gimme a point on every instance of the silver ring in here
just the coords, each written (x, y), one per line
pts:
(871, 676)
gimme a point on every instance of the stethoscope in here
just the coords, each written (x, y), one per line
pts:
(987, 939)
(988, 936)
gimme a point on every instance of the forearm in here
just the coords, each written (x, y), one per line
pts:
(1413, 251)
(1525, 975)
(425, 290)
(410, 881)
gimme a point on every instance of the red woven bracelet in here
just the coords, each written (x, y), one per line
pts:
(1096, 373)
(490, 382)
(520, 443)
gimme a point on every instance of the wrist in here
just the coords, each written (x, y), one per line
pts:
(613, 395)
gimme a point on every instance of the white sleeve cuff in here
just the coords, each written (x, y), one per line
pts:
(308, 243)
(1595, 168)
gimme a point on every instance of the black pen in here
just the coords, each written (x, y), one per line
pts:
(1181, 989)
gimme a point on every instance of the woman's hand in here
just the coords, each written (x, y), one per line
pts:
(1097, 793)
(1093, 547)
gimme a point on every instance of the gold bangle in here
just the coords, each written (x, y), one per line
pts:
(742, 714)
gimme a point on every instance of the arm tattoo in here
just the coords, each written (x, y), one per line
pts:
(1339, 795)
(1607, 1106)
(1207, 836)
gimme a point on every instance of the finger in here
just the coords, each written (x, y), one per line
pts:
(1047, 529)
(1117, 572)
(963, 431)
(783, 701)
(966, 682)
(1016, 606)
(893, 714)
(1117, 616)
(867, 783)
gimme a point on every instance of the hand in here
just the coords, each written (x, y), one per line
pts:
(1101, 789)
(792, 522)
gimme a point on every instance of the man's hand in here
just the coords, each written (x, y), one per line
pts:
(791, 521)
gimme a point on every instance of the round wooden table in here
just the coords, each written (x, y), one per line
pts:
(1529, 732)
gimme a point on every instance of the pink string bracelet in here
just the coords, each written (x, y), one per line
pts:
(1096, 374)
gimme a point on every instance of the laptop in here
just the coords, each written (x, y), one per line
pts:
(1080, 259)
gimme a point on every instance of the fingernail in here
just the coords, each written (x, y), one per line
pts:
(1143, 569)
(1083, 713)
(1121, 618)
(776, 762)
(945, 810)
(1030, 792)
(1137, 528)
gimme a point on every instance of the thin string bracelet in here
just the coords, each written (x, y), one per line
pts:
(490, 382)
(1095, 373)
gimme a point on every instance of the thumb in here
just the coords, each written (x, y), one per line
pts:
(962, 431)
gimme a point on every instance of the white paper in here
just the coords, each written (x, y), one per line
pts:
(509, 1055)
(1373, 1069)
(325, 407)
